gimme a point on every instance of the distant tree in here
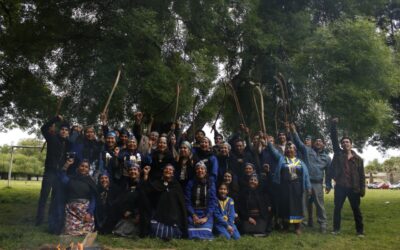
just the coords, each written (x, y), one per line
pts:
(390, 166)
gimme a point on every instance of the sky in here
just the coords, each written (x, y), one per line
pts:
(369, 153)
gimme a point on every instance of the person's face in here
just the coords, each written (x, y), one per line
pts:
(253, 183)
(90, 134)
(201, 172)
(83, 168)
(346, 144)
(282, 138)
(222, 191)
(319, 144)
(172, 140)
(204, 144)
(239, 147)
(290, 150)
(104, 181)
(184, 151)
(248, 170)
(307, 142)
(199, 135)
(64, 132)
(110, 141)
(162, 144)
(153, 136)
(123, 138)
(168, 172)
(218, 140)
(256, 140)
(271, 139)
(227, 178)
(224, 150)
(133, 173)
(132, 145)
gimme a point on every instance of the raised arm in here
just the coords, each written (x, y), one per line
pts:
(296, 139)
(334, 135)
(46, 127)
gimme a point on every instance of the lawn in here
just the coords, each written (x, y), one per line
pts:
(380, 208)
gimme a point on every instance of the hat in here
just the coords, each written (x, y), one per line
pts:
(132, 164)
(104, 173)
(201, 164)
(132, 138)
(308, 137)
(187, 144)
(111, 134)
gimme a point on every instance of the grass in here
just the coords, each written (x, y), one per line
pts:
(380, 208)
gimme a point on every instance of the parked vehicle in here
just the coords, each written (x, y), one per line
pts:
(395, 186)
(373, 185)
(383, 185)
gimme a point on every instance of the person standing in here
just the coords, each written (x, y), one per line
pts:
(347, 169)
(57, 148)
(317, 162)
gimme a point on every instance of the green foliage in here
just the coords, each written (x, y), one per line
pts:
(374, 167)
(332, 54)
(355, 74)
(392, 164)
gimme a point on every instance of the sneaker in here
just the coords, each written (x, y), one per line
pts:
(322, 230)
(360, 235)
(298, 231)
(335, 232)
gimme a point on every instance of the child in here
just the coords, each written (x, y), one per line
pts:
(225, 215)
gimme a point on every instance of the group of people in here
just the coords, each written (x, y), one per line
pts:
(163, 185)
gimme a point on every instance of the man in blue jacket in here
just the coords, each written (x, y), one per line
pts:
(318, 162)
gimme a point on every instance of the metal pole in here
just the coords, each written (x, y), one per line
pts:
(11, 164)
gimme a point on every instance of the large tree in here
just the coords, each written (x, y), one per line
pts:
(330, 52)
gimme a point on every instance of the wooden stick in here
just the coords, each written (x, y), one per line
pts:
(112, 90)
(236, 99)
(178, 91)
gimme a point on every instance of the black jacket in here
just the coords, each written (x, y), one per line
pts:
(57, 147)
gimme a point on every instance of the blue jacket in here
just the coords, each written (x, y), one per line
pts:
(317, 162)
(225, 216)
(283, 164)
(212, 198)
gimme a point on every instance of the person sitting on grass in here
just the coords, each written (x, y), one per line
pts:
(81, 193)
(224, 215)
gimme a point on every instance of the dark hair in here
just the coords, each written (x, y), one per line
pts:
(200, 130)
(224, 184)
(346, 137)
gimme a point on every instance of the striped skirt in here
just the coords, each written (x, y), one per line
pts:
(165, 232)
(75, 212)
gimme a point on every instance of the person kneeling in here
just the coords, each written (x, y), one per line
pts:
(254, 207)
(225, 215)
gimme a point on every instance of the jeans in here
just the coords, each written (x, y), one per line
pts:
(317, 198)
(49, 178)
(340, 196)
